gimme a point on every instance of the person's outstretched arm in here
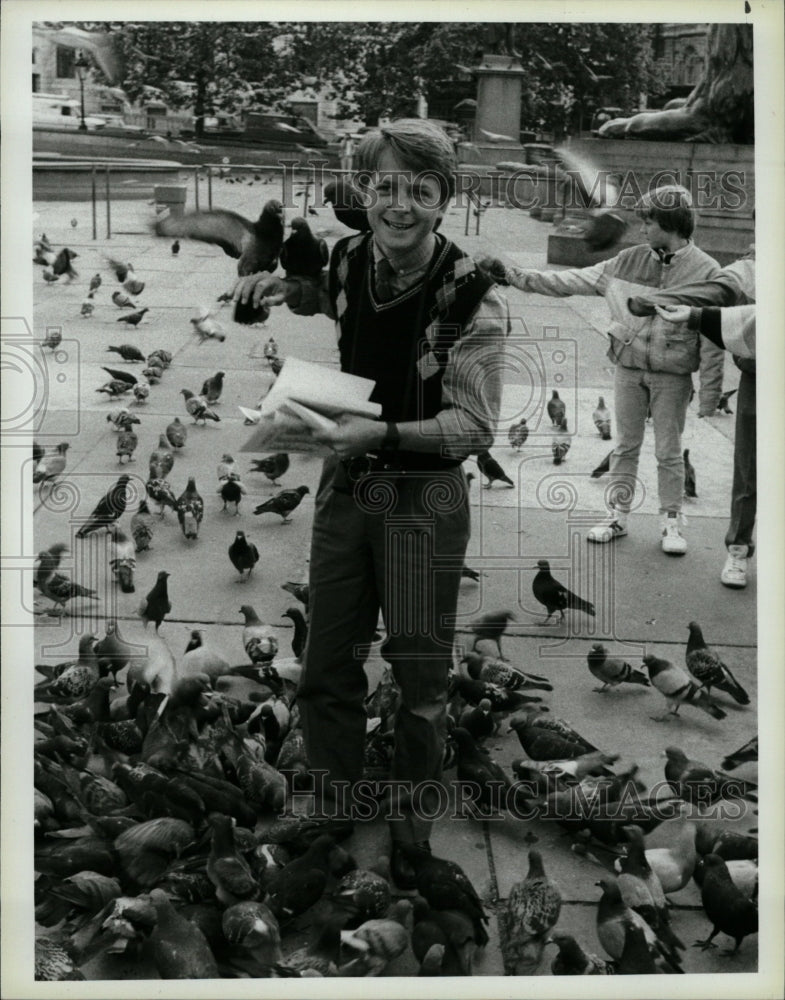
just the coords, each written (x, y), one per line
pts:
(572, 281)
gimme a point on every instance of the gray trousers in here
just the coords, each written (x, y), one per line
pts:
(395, 544)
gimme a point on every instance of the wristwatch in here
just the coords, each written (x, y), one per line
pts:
(392, 438)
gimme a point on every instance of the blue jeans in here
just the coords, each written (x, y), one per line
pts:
(667, 395)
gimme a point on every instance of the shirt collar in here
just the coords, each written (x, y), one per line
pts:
(416, 259)
(668, 256)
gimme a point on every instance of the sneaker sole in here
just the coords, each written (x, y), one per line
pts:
(608, 540)
(733, 586)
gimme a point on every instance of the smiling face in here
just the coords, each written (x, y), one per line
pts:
(403, 205)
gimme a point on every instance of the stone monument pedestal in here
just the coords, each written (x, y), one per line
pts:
(497, 122)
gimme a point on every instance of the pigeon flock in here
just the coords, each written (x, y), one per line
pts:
(165, 773)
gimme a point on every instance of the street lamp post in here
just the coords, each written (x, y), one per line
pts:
(80, 65)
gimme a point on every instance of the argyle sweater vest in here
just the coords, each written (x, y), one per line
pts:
(402, 344)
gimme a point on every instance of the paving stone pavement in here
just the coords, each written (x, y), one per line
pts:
(644, 598)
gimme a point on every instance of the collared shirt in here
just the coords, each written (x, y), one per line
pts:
(407, 268)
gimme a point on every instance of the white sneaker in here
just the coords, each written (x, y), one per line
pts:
(734, 572)
(613, 527)
(673, 542)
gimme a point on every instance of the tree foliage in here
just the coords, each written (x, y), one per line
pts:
(372, 68)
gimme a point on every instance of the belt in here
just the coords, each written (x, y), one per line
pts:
(393, 463)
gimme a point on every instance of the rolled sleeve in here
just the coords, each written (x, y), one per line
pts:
(473, 380)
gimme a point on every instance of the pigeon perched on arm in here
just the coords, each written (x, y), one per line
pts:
(611, 670)
(675, 686)
(190, 510)
(108, 509)
(557, 410)
(602, 420)
(303, 254)
(198, 408)
(255, 245)
(554, 596)
(283, 503)
(347, 204)
(709, 670)
(244, 555)
(491, 469)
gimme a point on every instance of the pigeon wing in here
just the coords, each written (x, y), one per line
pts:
(228, 230)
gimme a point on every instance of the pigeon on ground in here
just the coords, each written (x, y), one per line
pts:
(283, 503)
(141, 392)
(573, 960)
(227, 469)
(452, 930)
(554, 596)
(478, 720)
(517, 434)
(161, 459)
(543, 738)
(675, 686)
(88, 305)
(689, 477)
(134, 318)
(491, 469)
(156, 606)
(445, 886)
(62, 264)
(243, 554)
(502, 673)
(258, 640)
(304, 254)
(108, 509)
(698, 783)
(298, 591)
(722, 406)
(60, 589)
(255, 245)
(126, 445)
(160, 355)
(300, 635)
(176, 434)
(206, 326)
(483, 780)
(121, 270)
(121, 300)
(161, 492)
(603, 467)
(611, 670)
(226, 867)
(232, 491)
(726, 906)
(50, 277)
(602, 420)
(95, 283)
(709, 670)
(175, 248)
(674, 862)
(120, 376)
(127, 352)
(532, 910)
(744, 874)
(273, 467)
(153, 373)
(636, 958)
(116, 387)
(122, 419)
(557, 411)
(178, 947)
(745, 754)
(642, 891)
(488, 631)
(190, 510)
(133, 286)
(53, 339)
(270, 349)
(198, 408)
(142, 526)
(213, 387)
(52, 465)
(560, 443)
(48, 561)
(347, 204)
(613, 917)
